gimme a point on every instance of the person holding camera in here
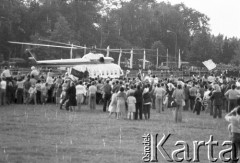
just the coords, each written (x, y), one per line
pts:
(234, 118)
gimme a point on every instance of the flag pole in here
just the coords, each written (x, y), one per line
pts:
(144, 57)
(157, 58)
(120, 55)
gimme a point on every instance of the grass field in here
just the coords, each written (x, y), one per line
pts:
(47, 134)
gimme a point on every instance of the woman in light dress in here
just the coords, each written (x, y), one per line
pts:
(113, 105)
(121, 104)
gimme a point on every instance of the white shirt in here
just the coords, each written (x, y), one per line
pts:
(49, 80)
(6, 73)
(3, 84)
(32, 90)
(34, 72)
(80, 89)
(235, 121)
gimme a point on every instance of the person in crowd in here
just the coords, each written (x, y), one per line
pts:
(33, 81)
(80, 93)
(192, 95)
(10, 94)
(113, 105)
(179, 97)
(19, 92)
(186, 93)
(198, 103)
(50, 82)
(130, 91)
(58, 93)
(232, 95)
(32, 94)
(6, 74)
(159, 93)
(72, 102)
(64, 94)
(99, 94)
(44, 93)
(131, 103)
(153, 96)
(234, 118)
(26, 87)
(121, 103)
(3, 86)
(106, 89)
(217, 98)
(147, 102)
(139, 99)
(116, 87)
(34, 72)
(38, 94)
(92, 96)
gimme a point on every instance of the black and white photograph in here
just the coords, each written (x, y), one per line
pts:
(119, 81)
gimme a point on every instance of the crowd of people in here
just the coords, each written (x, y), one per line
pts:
(125, 98)
(129, 98)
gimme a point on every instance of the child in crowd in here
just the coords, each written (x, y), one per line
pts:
(198, 103)
(32, 94)
(131, 101)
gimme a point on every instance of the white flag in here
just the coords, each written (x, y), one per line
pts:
(179, 59)
(209, 64)
(119, 58)
(131, 59)
(144, 58)
(107, 51)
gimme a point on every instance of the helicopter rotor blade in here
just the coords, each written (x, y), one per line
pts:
(46, 45)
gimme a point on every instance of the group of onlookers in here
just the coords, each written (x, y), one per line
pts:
(133, 99)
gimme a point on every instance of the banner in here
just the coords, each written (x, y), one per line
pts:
(77, 73)
(209, 64)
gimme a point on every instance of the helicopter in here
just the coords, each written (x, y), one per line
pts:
(96, 64)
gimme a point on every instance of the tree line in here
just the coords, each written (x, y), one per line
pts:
(137, 24)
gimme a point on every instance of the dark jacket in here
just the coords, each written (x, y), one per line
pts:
(138, 95)
(217, 98)
(147, 98)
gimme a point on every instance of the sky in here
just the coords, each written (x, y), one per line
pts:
(224, 14)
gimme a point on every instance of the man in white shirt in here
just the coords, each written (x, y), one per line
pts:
(80, 93)
(3, 86)
(6, 74)
(159, 92)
